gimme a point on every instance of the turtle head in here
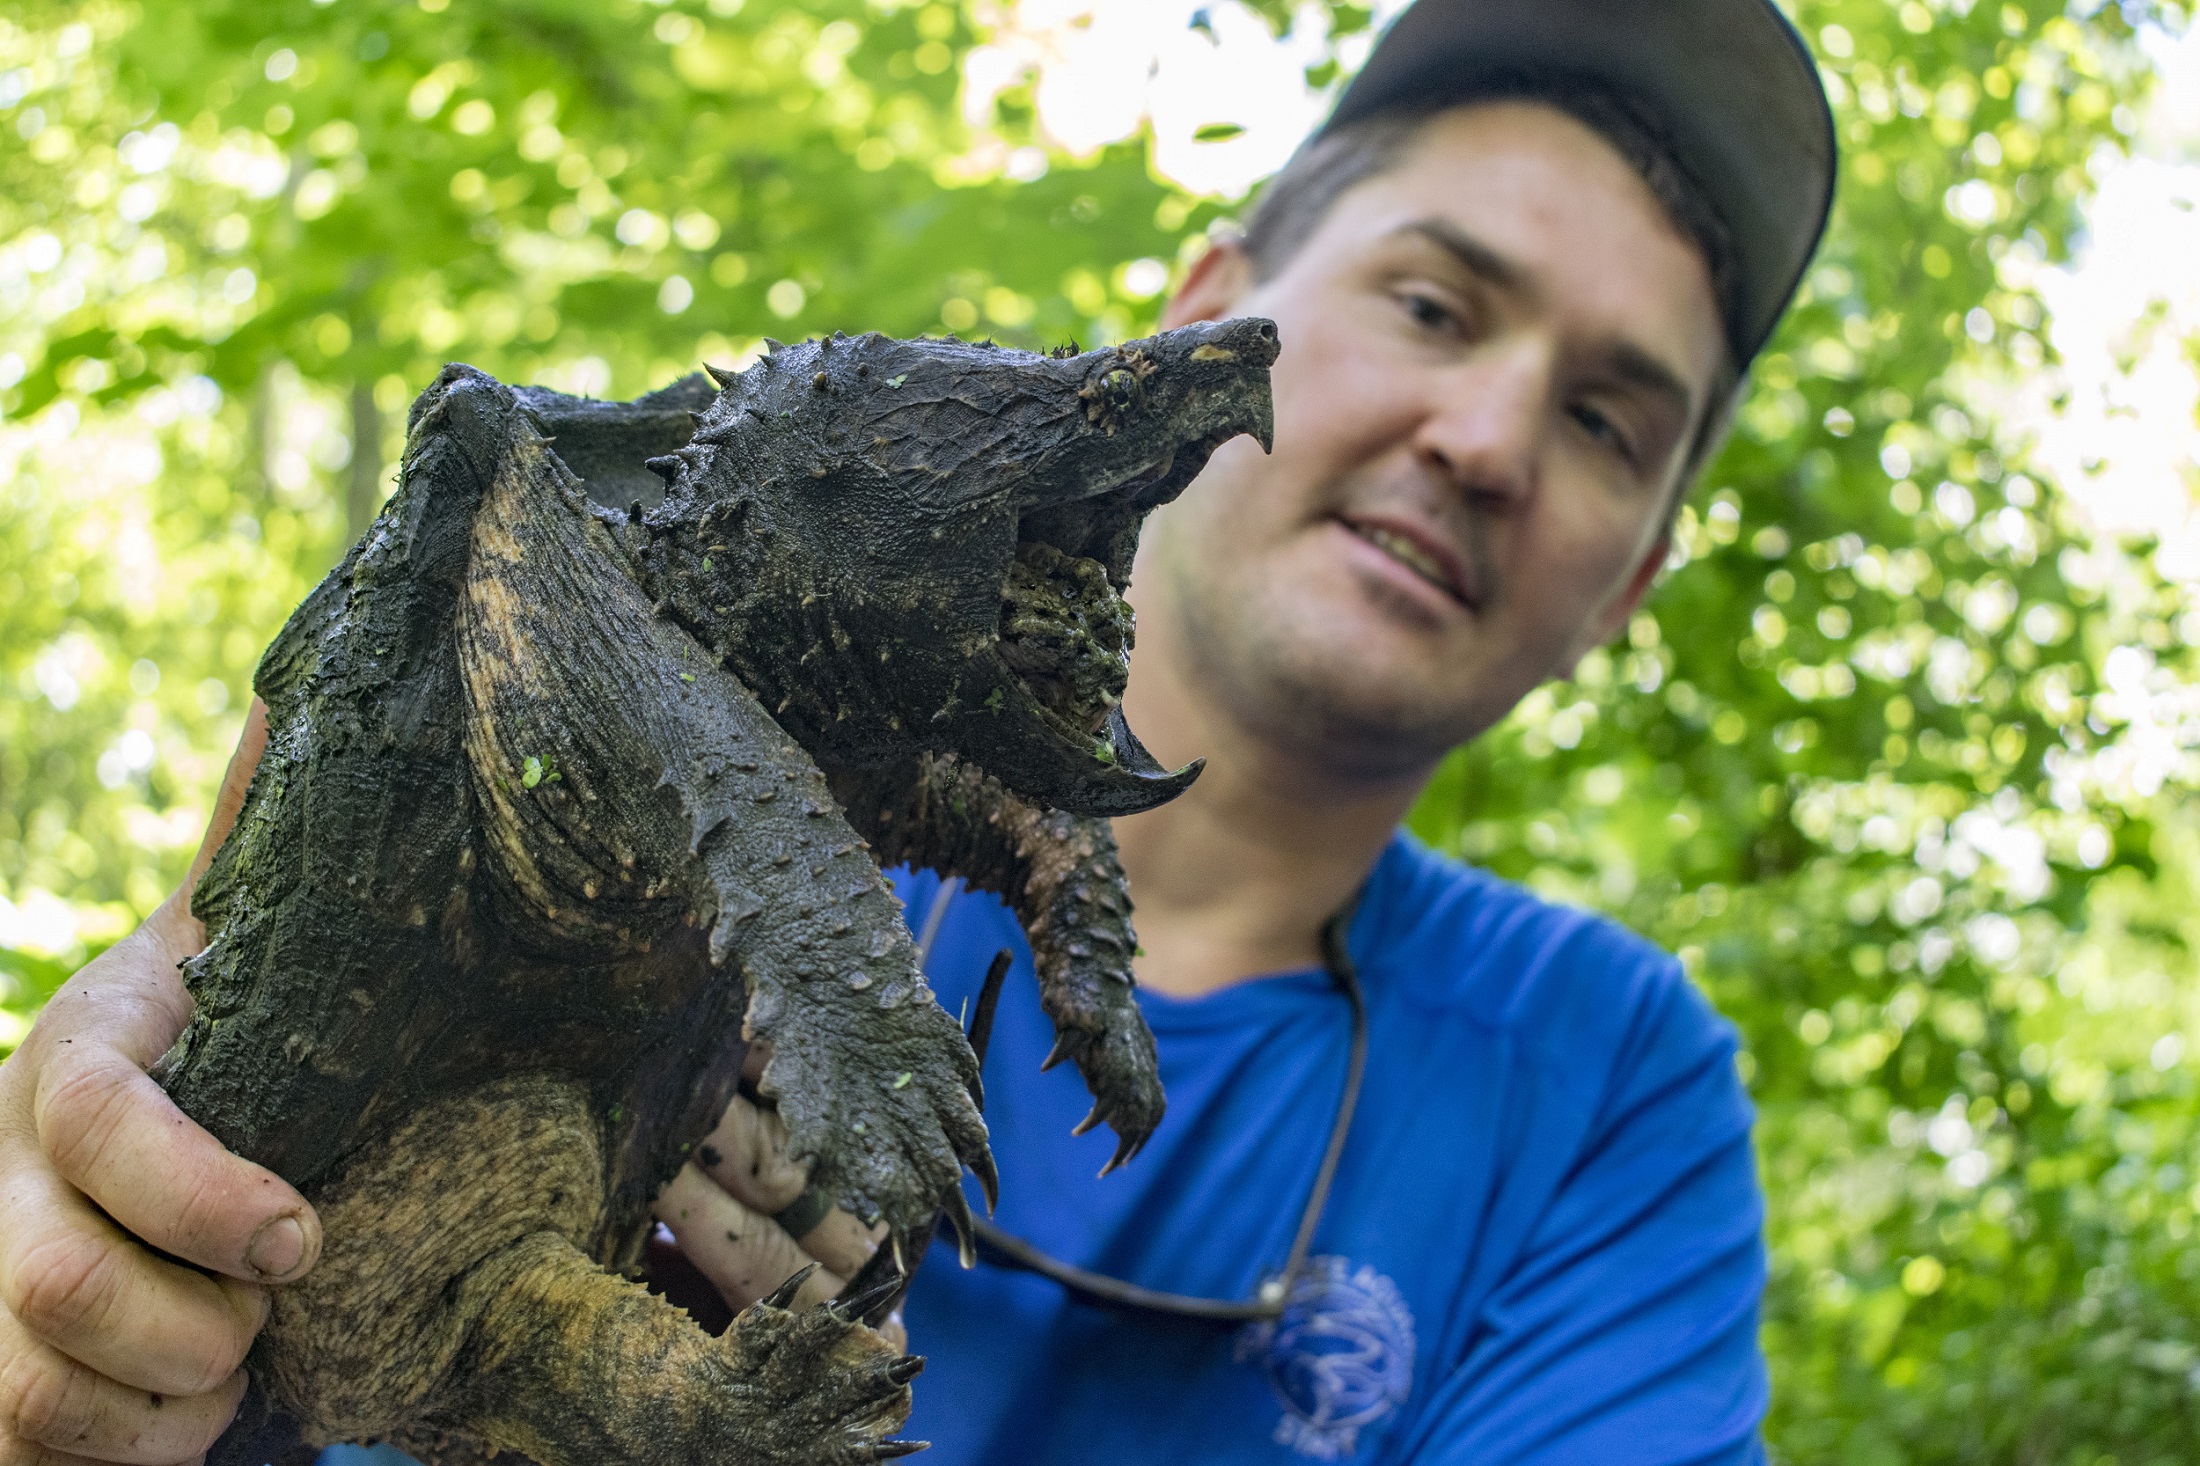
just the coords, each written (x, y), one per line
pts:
(905, 545)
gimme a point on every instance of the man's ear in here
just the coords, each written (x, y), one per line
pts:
(1615, 616)
(1212, 287)
(1622, 609)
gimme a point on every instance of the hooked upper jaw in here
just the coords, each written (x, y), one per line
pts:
(1156, 410)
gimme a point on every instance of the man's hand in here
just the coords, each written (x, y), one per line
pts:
(110, 1350)
(721, 1207)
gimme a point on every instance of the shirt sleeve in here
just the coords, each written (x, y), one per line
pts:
(1627, 1331)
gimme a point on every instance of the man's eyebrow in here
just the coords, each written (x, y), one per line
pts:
(1477, 257)
(1630, 363)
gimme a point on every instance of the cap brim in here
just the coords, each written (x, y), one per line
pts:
(1729, 82)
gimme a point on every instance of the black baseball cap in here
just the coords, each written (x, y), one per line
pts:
(1728, 84)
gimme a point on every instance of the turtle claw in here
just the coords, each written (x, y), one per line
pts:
(1126, 1148)
(862, 1303)
(813, 1387)
(1063, 1049)
(989, 1180)
(989, 997)
(957, 1208)
(783, 1296)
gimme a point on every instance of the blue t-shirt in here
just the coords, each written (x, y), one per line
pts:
(1543, 1244)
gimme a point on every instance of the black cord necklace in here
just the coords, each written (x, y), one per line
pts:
(1006, 1249)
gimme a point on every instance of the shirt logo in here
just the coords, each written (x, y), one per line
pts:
(1340, 1358)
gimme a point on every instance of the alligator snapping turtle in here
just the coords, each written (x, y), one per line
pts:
(564, 805)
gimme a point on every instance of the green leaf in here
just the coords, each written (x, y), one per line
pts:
(1216, 132)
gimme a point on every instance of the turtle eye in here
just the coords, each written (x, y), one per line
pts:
(1121, 388)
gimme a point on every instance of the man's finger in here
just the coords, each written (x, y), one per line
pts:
(743, 1253)
(841, 1242)
(747, 1155)
(115, 1135)
(49, 1400)
(73, 1281)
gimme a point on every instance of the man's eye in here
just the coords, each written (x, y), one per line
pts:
(1603, 430)
(1429, 312)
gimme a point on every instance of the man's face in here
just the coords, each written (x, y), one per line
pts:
(1495, 355)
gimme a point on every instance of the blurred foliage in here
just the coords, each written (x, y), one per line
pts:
(1900, 765)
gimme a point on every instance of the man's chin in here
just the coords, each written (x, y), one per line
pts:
(1358, 701)
(1317, 657)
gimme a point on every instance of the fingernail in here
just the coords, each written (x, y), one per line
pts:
(277, 1248)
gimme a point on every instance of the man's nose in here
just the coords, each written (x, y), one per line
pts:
(1487, 423)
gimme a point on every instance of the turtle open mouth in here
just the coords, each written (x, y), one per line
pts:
(1039, 703)
(1067, 635)
(1065, 631)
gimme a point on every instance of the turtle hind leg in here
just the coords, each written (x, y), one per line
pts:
(576, 1367)
(455, 1297)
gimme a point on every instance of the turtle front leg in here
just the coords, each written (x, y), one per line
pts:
(628, 783)
(876, 1082)
(1060, 874)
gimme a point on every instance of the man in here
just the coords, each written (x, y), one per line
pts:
(1516, 276)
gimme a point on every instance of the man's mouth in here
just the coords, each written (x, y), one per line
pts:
(1436, 567)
